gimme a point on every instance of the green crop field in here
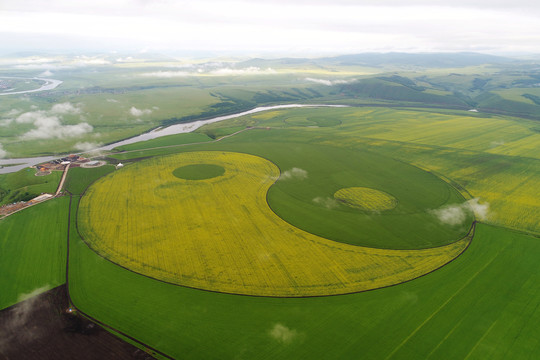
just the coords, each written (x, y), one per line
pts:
(79, 179)
(303, 203)
(23, 185)
(171, 140)
(484, 304)
(189, 227)
(33, 250)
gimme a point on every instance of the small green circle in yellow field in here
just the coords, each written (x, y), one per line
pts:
(198, 171)
(366, 199)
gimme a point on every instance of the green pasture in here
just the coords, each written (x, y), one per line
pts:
(519, 94)
(170, 140)
(482, 305)
(308, 203)
(495, 158)
(106, 99)
(23, 185)
(78, 178)
(33, 250)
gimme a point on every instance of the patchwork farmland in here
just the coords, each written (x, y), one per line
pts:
(219, 234)
(230, 248)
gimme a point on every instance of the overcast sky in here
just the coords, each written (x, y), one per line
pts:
(292, 27)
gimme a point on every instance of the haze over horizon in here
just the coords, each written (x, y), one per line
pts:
(296, 27)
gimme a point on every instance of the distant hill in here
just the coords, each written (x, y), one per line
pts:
(423, 60)
(389, 89)
(427, 60)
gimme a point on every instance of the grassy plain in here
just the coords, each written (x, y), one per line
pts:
(482, 305)
(477, 153)
(78, 179)
(219, 234)
(23, 185)
(171, 140)
(33, 250)
(489, 165)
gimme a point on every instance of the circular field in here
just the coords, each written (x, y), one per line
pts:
(219, 233)
(308, 201)
(366, 199)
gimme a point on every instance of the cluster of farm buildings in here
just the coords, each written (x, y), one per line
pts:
(45, 169)
(60, 164)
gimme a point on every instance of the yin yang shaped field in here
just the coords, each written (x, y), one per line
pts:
(201, 220)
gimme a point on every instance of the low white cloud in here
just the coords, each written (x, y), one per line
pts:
(83, 60)
(59, 63)
(294, 173)
(40, 66)
(34, 293)
(329, 82)
(167, 74)
(252, 70)
(481, 211)
(65, 108)
(327, 202)
(51, 127)
(283, 334)
(3, 153)
(451, 215)
(139, 112)
(494, 144)
(48, 124)
(456, 214)
(16, 327)
(6, 122)
(35, 60)
(13, 112)
(112, 100)
(47, 73)
(87, 145)
(128, 59)
(209, 69)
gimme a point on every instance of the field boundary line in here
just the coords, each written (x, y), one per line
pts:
(443, 305)
(70, 301)
(444, 338)
(480, 340)
(468, 237)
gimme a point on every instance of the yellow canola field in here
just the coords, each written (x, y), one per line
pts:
(219, 234)
(366, 199)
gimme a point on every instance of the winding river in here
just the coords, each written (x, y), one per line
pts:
(49, 85)
(13, 165)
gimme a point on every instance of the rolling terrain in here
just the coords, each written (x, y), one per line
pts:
(403, 226)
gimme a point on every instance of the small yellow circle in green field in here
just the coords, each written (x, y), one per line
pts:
(366, 199)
